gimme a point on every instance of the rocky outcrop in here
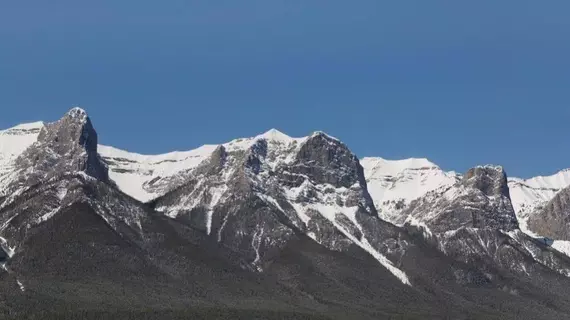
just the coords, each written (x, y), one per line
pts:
(480, 200)
(60, 169)
(529, 196)
(553, 220)
(328, 161)
(323, 160)
(65, 146)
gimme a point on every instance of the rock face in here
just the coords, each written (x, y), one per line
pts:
(473, 222)
(531, 195)
(67, 145)
(553, 220)
(480, 200)
(60, 169)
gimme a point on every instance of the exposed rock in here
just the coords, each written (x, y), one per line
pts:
(64, 146)
(480, 200)
(553, 220)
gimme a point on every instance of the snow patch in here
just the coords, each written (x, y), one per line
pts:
(134, 172)
(562, 246)
(48, 215)
(256, 244)
(13, 142)
(21, 285)
(10, 251)
(61, 193)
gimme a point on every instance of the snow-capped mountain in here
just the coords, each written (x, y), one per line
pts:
(393, 184)
(54, 172)
(479, 200)
(530, 195)
(256, 194)
(553, 219)
(271, 223)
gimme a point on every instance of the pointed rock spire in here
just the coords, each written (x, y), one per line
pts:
(67, 145)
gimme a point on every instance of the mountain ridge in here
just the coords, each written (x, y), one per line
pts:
(393, 184)
(290, 219)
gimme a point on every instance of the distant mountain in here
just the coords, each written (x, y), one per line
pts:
(393, 184)
(269, 227)
(530, 195)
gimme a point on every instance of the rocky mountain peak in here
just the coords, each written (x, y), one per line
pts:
(394, 184)
(78, 114)
(328, 160)
(480, 200)
(73, 131)
(66, 145)
(491, 180)
(553, 220)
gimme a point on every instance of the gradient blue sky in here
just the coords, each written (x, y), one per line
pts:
(459, 82)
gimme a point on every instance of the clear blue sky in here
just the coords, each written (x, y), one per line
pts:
(459, 82)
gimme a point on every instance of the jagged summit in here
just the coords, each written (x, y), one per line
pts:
(75, 127)
(480, 200)
(495, 167)
(146, 177)
(64, 146)
(78, 114)
(490, 179)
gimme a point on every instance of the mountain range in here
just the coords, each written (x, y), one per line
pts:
(270, 227)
